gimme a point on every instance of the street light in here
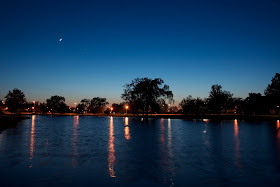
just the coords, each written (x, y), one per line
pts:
(126, 107)
(34, 106)
(170, 108)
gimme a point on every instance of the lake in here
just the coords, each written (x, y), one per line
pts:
(116, 151)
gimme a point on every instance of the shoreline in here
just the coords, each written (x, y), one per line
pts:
(171, 116)
(10, 121)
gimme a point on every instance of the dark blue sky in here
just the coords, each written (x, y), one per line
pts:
(105, 44)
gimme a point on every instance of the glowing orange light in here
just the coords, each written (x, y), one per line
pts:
(126, 129)
(237, 144)
(126, 121)
(235, 128)
(206, 120)
(126, 107)
(278, 131)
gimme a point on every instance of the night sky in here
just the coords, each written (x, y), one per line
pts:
(84, 49)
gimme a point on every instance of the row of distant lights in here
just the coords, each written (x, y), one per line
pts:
(126, 107)
(111, 108)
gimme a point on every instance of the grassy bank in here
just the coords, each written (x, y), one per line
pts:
(9, 121)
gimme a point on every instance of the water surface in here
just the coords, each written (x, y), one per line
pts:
(87, 151)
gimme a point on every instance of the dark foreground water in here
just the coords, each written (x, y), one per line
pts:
(88, 151)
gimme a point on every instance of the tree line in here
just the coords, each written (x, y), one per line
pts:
(16, 102)
(145, 95)
(221, 101)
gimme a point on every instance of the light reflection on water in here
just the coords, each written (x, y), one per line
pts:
(77, 150)
(237, 144)
(111, 149)
(278, 138)
(75, 141)
(167, 158)
(126, 129)
(163, 159)
(32, 140)
(278, 128)
(170, 155)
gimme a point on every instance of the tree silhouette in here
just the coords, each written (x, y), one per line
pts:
(97, 104)
(272, 93)
(14, 100)
(2, 106)
(118, 108)
(236, 103)
(160, 106)
(83, 105)
(57, 104)
(145, 93)
(218, 99)
(191, 105)
(274, 87)
(44, 108)
(255, 104)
